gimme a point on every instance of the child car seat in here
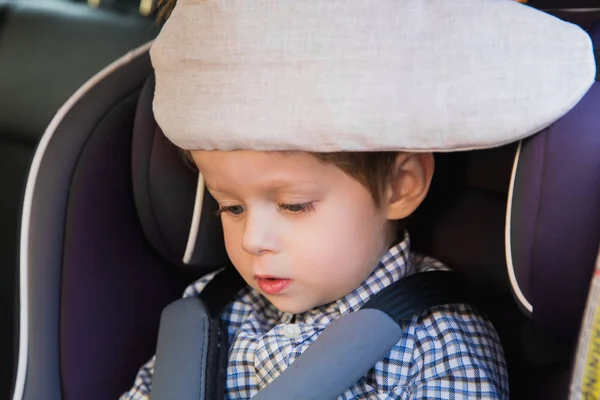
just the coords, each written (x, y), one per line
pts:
(107, 217)
(47, 50)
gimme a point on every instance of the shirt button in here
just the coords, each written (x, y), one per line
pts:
(291, 331)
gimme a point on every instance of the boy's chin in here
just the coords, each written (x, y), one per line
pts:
(291, 305)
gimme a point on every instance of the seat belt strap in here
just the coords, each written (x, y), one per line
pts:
(420, 292)
(217, 294)
(192, 348)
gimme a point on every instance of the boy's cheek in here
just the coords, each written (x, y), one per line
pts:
(232, 243)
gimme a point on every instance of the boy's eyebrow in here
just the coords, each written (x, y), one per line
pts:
(280, 184)
(271, 186)
(215, 188)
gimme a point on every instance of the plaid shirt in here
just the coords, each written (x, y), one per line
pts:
(450, 352)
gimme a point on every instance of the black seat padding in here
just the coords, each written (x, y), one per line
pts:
(48, 49)
(462, 223)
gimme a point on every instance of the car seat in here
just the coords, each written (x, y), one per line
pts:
(106, 226)
(47, 50)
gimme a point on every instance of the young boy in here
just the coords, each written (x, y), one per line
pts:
(312, 124)
(314, 237)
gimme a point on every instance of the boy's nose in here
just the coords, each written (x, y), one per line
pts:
(258, 235)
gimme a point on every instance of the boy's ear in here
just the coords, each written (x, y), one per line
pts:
(409, 184)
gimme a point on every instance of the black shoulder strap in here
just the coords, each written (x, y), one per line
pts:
(217, 294)
(420, 292)
(221, 290)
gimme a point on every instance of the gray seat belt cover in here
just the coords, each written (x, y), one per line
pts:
(182, 350)
(346, 350)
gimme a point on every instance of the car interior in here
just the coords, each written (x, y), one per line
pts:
(96, 207)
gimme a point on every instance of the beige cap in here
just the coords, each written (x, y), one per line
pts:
(364, 75)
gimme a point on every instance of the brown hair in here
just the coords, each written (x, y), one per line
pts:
(164, 8)
(371, 169)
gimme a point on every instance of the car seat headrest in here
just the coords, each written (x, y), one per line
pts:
(551, 227)
(165, 192)
(553, 217)
(551, 220)
(594, 33)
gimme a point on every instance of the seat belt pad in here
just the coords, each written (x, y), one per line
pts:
(192, 349)
(350, 346)
(181, 352)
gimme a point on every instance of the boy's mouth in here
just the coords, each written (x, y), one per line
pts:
(271, 284)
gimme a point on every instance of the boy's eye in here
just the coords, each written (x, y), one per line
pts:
(232, 210)
(296, 208)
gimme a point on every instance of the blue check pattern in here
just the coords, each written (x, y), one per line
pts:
(450, 352)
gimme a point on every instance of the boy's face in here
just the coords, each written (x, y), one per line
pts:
(301, 232)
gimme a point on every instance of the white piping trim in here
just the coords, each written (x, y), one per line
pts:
(575, 10)
(27, 203)
(507, 237)
(196, 218)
